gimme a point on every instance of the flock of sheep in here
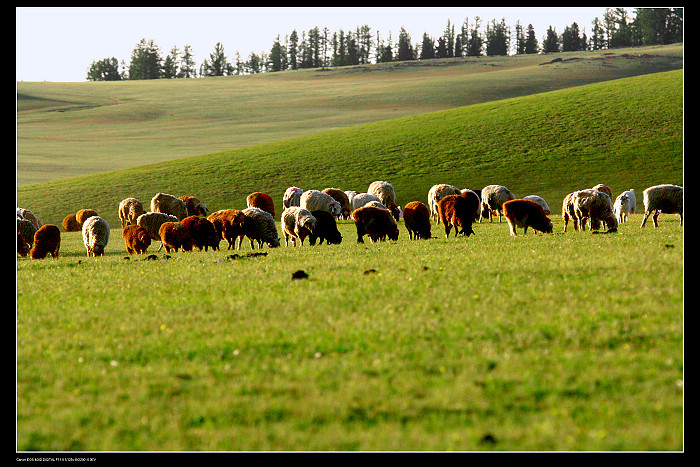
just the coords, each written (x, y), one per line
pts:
(184, 223)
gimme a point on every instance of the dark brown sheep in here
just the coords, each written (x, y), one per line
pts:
(70, 223)
(458, 211)
(229, 225)
(416, 216)
(526, 213)
(326, 229)
(174, 236)
(194, 206)
(375, 222)
(47, 241)
(203, 232)
(262, 201)
(136, 238)
(341, 197)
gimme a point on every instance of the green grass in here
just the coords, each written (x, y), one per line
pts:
(538, 342)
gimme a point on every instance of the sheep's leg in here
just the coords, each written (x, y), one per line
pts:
(644, 221)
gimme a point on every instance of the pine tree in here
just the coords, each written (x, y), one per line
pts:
(497, 38)
(475, 43)
(293, 50)
(551, 41)
(217, 65)
(106, 69)
(146, 61)
(598, 37)
(427, 50)
(187, 64)
(170, 65)
(405, 49)
(277, 56)
(531, 40)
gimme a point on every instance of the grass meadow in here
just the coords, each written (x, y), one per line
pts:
(568, 341)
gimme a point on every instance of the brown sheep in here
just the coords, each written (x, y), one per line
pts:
(229, 225)
(526, 213)
(262, 201)
(136, 238)
(203, 232)
(83, 215)
(416, 216)
(23, 247)
(70, 223)
(458, 211)
(174, 236)
(341, 197)
(568, 211)
(26, 229)
(194, 206)
(605, 189)
(129, 211)
(47, 241)
(377, 223)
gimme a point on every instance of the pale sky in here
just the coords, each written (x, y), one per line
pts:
(60, 43)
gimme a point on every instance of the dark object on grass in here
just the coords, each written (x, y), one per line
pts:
(299, 274)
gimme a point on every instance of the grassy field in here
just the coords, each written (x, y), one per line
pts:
(566, 341)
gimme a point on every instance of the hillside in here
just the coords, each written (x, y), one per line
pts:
(626, 133)
(67, 129)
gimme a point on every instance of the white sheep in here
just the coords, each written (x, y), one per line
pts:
(315, 200)
(95, 235)
(259, 225)
(595, 206)
(351, 194)
(169, 204)
(492, 199)
(435, 194)
(151, 221)
(129, 210)
(297, 222)
(30, 216)
(541, 201)
(667, 199)
(362, 199)
(292, 196)
(624, 205)
(387, 196)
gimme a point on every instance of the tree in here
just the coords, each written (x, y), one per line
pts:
(146, 61)
(659, 25)
(598, 37)
(106, 69)
(570, 39)
(277, 56)
(427, 50)
(217, 65)
(475, 43)
(187, 64)
(531, 40)
(170, 65)
(497, 38)
(405, 49)
(293, 50)
(551, 41)
(519, 38)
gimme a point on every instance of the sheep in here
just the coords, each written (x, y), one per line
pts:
(416, 216)
(30, 216)
(316, 200)
(202, 231)
(526, 213)
(596, 206)
(47, 241)
(492, 199)
(341, 197)
(458, 211)
(259, 225)
(624, 205)
(297, 223)
(262, 201)
(350, 194)
(26, 229)
(477, 214)
(387, 196)
(436, 193)
(229, 224)
(667, 199)
(84, 214)
(169, 204)
(541, 201)
(136, 239)
(362, 199)
(95, 235)
(70, 223)
(568, 211)
(605, 189)
(23, 247)
(151, 221)
(194, 206)
(326, 229)
(129, 210)
(174, 235)
(292, 197)
(377, 223)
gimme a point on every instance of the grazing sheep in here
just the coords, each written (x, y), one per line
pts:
(129, 210)
(228, 224)
(341, 197)
(362, 199)
(23, 247)
(541, 201)
(436, 193)
(316, 200)
(568, 211)
(26, 229)
(377, 223)
(151, 221)
(30, 216)
(605, 189)
(297, 223)
(194, 206)
(70, 223)
(259, 225)
(416, 216)
(47, 241)
(326, 229)
(526, 213)
(83, 215)
(477, 215)
(169, 204)
(492, 199)
(292, 197)
(350, 194)
(136, 239)
(624, 205)
(174, 236)
(667, 199)
(262, 201)
(202, 231)
(387, 196)
(458, 211)
(95, 235)
(596, 206)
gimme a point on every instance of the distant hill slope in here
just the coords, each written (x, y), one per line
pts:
(626, 133)
(66, 129)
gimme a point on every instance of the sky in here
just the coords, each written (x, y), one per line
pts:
(60, 43)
